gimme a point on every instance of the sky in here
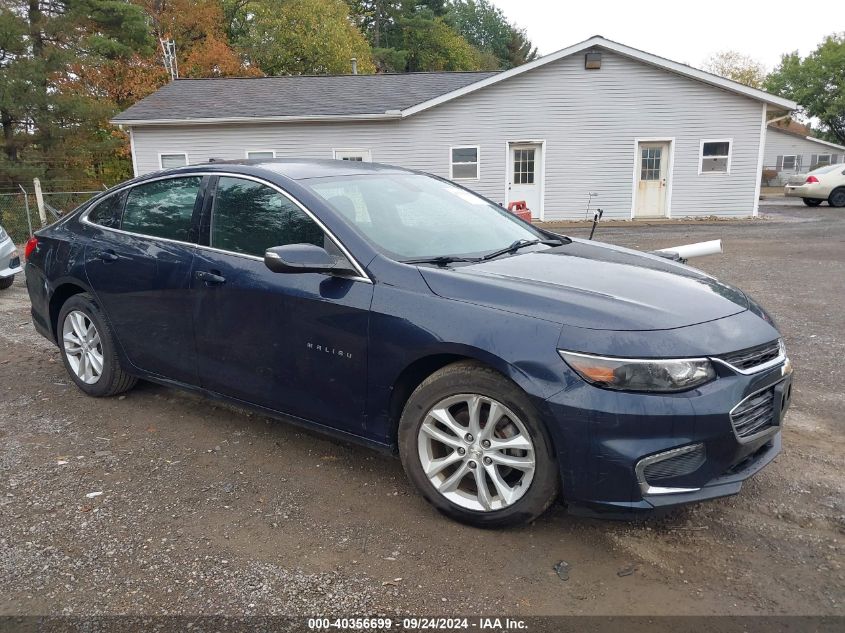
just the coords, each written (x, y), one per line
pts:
(680, 30)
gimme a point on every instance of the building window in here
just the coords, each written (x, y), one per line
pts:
(822, 160)
(789, 162)
(523, 166)
(464, 163)
(260, 154)
(715, 156)
(354, 155)
(169, 161)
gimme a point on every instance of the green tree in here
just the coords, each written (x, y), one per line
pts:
(484, 26)
(737, 67)
(816, 83)
(301, 37)
(520, 49)
(47, 131)
(431, 44)
(414, 35)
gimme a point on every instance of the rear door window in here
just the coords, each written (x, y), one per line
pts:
(162, 208)
(249, 217)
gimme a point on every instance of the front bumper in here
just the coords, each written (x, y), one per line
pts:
(10, 262)
(601, 436)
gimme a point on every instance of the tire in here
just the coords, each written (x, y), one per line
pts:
(837, 198)
(812, 202)
(464, 382)
(6, 282)
(111, 379)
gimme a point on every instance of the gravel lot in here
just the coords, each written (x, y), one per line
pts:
(206, 509)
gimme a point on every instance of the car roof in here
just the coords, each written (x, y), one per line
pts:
(294, 168)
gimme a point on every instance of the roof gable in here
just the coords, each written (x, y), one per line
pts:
(599, 42)
(813, 139)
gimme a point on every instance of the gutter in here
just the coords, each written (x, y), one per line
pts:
(386, 116)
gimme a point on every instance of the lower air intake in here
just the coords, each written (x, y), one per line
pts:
(675, 464)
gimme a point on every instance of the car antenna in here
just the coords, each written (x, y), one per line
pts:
(596, 218)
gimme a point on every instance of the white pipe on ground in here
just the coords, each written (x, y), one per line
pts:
(699, 249)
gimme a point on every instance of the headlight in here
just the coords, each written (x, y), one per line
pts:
(2, 234)
(626, 374)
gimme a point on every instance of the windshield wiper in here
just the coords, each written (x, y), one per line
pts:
(520, 244)
(441, 260)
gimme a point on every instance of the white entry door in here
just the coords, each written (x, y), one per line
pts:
(652, 179)
(525, 175)
(359, 155)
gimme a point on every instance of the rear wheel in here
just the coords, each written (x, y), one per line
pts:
(6, 282)
(812, 202)
(837, 198)
(473, 445)
(88, 349)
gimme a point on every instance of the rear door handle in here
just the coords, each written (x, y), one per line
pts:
(210, 279)
(108, 256)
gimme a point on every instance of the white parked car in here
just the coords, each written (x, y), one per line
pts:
(824, 183)
(10, 262)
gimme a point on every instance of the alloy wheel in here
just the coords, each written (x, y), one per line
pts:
(476, 452)
(83, 347)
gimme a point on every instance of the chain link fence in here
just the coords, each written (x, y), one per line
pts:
(13, 209)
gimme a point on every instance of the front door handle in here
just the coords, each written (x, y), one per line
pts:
(210, 279)
(108, 256)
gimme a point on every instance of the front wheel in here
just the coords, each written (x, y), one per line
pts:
(812, 202)
(6, 282)
(473, 445)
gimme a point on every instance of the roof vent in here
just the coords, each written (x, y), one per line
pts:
(592, 60)
(354, 66)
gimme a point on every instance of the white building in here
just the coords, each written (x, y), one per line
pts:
(790, 152)
(654, 138)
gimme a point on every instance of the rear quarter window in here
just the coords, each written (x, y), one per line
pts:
(107, 211)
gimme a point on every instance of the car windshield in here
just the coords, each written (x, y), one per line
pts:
(413, 216)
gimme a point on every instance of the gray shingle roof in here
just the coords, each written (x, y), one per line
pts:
(292, 96)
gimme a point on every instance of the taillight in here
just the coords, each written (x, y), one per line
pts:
(810, 180)
(31, 243)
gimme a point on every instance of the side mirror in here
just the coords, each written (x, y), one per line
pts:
(303, 258)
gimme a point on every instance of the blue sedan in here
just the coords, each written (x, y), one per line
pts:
(508, 366)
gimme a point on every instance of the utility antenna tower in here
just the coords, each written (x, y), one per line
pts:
(168, 49)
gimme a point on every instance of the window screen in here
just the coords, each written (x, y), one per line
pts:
(715, 155)
(162, 208)
(260, 155)
(249, 218)
(464, 162)
(107, 211)
(169, 161)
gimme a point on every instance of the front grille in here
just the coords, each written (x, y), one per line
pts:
(676, 465)
(751, 357)
(755, 414)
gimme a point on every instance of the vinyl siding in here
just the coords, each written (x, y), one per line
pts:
(588, 119)
(781, 144)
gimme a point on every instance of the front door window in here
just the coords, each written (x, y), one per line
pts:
(650, 166)
(523, 166)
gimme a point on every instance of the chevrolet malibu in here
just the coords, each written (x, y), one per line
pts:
(506, 365)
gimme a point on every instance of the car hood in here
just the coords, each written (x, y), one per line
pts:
(591, 285)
